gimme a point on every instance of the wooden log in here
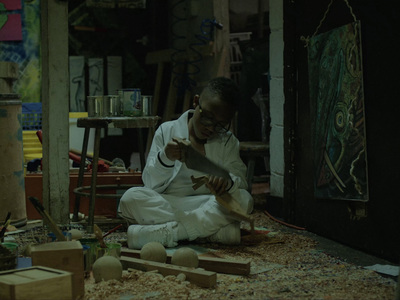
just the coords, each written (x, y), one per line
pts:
(199, 277)
(219, 265)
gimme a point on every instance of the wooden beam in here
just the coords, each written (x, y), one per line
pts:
(219, 265)
(199, 277)
(55, 106)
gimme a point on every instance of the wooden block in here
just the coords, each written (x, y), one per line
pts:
(219, 265)
(36, 283)
(67, 256)
(197, 276)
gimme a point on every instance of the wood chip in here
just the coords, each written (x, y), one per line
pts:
(283, 266)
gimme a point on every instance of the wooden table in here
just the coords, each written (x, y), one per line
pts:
(98, 123)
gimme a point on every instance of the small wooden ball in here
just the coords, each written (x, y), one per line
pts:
(185, 257)
(76, 234)
(154, 251)
(107, 268)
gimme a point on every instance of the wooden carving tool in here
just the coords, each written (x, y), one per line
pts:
(112, 230)
(227, 201)
(99, 236)
(46, 217)
(5, 225)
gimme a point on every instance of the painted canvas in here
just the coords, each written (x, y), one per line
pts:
(11, 4)
(337, 109)
(96, 76)
(26, 52)
(77, 84)
(10, 27)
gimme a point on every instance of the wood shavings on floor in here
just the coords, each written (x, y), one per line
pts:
(284, 265)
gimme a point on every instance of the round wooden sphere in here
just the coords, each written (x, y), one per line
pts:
(185, 257)
(107, 268)
(76, 234)
(154, 251)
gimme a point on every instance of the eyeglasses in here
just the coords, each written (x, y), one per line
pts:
(209, 121)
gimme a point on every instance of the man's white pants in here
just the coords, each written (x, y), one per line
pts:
(201, 215)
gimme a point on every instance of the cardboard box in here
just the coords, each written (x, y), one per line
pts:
(66, 256)
(36, 283)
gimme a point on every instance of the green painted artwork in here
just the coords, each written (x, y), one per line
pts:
(26, 53)
(337, 108)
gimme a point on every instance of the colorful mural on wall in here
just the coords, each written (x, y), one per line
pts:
(26, 51)
(337, 103)
(10, 22)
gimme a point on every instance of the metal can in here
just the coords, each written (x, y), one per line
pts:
(131, 101)
(95, 106)
(147, 105)
(106, 107)
(112, 106)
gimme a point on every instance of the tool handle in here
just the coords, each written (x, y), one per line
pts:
(112, 230)
(8, 217)
(36, 203)
(99, 235)
(3, 230)
(46, 217)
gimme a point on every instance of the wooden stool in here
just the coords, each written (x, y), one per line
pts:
(252, 150)
(98, 123)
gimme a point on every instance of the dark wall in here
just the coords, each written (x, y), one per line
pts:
(372, 226)
(101, 32)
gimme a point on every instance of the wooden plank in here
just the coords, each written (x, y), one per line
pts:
(157, 88)
(169, 110)
(199, 277)
(219, 265)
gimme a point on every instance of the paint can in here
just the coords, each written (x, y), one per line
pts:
(12, 180)
(91, 245)
(147, 105)
(95, 106)
(113, 249)
(131, 101)
(106, 107)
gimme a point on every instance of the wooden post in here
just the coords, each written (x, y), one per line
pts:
(55, 105)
